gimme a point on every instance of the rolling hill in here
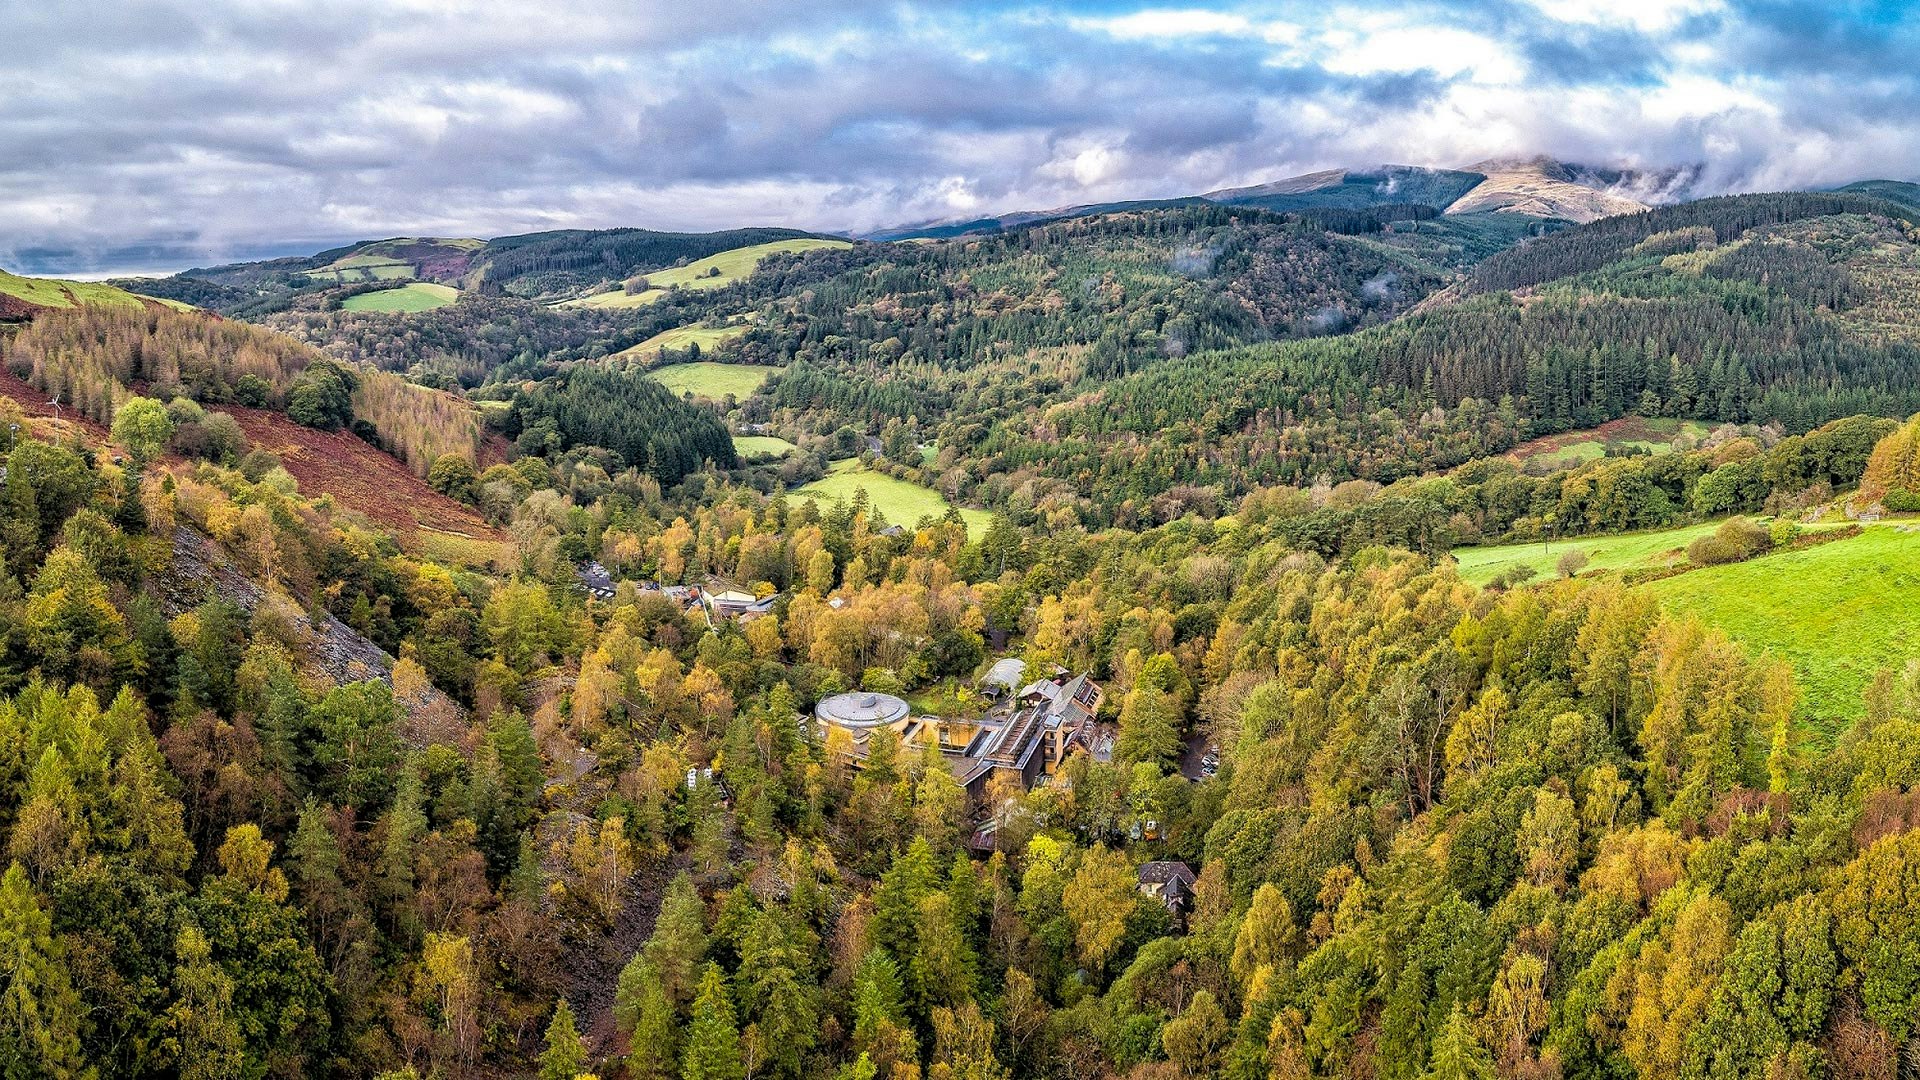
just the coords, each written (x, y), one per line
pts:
(543, 265)
(21, 297)
(430, 259)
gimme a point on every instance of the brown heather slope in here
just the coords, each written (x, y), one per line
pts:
(360, 478)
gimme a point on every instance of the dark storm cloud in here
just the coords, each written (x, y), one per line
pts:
(165, 133)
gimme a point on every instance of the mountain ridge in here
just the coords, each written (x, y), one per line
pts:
(1535, 186)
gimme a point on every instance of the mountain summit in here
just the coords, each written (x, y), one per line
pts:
(1548, 188)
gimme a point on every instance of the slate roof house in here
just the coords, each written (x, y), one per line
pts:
(1170, 882)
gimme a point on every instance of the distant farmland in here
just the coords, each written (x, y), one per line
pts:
(680, 337)
(417, 296)
(712, 272)
(710, 380)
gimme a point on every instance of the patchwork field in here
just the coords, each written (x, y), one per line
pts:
(903, 502)
(706, 379)
(401, 257)
(362, 268)
(680, 337)
(1838, 612)
(761, 446)
(418, 296)
(1654, 435)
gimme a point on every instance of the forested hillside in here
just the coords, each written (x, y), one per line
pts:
(1534, 832)
(1801, 315)
(535, 787)
(93, 359)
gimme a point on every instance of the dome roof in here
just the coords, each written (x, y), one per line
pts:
(861, 709)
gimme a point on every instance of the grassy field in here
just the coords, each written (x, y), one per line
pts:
(618, 298)
(1838, 612)
(54, 293)
(1621, 551)
(711, 272)
(903, 502)
(761, 446)
(373, 268)
(682, 336)
(710, 380)
(419, 296)
(732, 265)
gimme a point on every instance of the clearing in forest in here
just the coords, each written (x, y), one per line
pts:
(1654, 435)
(730, 266)
(711, 272)
(681, 337)
(761, 446)
(418, 296)
(706, 379)
(901, 501)
(371, 483)
(1619, 551)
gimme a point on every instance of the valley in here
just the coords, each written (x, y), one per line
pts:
(1332, 627)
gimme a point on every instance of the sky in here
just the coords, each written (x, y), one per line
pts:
(156, 134)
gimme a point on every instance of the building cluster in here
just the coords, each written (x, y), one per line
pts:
(1026, 735)
(717, 600)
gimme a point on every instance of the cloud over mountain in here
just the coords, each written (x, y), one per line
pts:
(170, 132)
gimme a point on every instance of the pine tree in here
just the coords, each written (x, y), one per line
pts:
(565, 1056)
(1457, 1053)
(679, 942)
(713, 1042)
(646, 1016)
(897, 899)
(40, 1014)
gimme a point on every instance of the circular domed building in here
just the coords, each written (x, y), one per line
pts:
(861, 711)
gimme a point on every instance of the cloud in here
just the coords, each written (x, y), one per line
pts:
(165, 133)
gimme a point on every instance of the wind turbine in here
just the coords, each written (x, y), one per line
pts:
(56, 406)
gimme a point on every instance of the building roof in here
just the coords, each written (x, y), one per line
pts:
(1165, 871)
(861, 709)
(1007, 671)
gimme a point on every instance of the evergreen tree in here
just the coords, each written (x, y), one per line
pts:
(565, 1056)
(646, 1015)
(40, 1015)
(1457, 1053)
(713, 1042)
